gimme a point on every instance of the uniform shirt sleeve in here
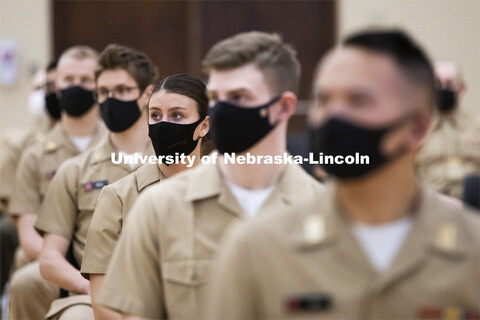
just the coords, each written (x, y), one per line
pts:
(103, 233)
(232, 294)
(26, 198)
(9, 156)
(59, 208)
(133, 283)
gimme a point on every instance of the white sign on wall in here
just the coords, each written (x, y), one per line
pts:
(8, 62)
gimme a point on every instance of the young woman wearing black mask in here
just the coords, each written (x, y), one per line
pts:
(178, 123)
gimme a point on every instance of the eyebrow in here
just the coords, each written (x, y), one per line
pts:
(172, 108)
(178, 107)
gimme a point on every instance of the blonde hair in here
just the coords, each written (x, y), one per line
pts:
(79, 53)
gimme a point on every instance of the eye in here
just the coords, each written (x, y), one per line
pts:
(120, 90)
(86, 80)
(177, 116)
(102, 92)
(156, 116)
(359, 100)
(321, 99)
(236, 98)
(212, 98)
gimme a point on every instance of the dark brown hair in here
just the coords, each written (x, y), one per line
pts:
(136, 63)
(186, 85)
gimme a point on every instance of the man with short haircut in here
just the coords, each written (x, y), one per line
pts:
(376, 244)
(123, 79)
(78, 129)
(175, 228)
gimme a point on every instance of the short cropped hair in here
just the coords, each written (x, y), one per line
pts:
(52, 66)
(267, 51)
(410, 58)
(79, 53)
(136, 63)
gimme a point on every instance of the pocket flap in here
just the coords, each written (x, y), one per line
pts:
(88, 200)
(188, 273)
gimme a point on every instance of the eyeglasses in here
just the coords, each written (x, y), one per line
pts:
(120, 93)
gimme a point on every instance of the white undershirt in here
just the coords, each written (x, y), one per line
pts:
(81, 142)
(130, 158)
(250, 200)
(381, 243)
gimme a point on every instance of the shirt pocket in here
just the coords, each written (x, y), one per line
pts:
(184, 285)
(87, 200)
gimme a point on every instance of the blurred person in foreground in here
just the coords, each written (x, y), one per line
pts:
(376, 244)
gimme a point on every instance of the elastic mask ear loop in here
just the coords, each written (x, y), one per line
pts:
(397, 124)
(145, 108)
(199, 122)
(264, 111)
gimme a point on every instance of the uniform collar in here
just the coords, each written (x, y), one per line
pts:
(204, 182)
(207, 181)
(146, 175)
(433, 227)
(103, 152)
(436, 230)
(58, 138)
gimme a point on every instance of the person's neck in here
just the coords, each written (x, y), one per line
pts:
(173, 169)
(51, 122)
(80, 126)
(134, 139)
(258, 175)
(383, 197)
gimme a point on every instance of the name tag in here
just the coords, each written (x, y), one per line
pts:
(95, 185)
(309, 302)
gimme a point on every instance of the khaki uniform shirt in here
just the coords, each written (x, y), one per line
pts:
(451, 152)
(72, 196)
(8, 164)
(113, 206)
(38, 165)
(164, 258)
(307, 264)
(12, 150)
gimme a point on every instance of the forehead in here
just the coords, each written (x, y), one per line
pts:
(76, 66)
(248, 77)
(355, 68)
(162, 99)
(114, 78)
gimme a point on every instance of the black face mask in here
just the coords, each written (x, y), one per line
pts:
(76, 101)
(170, 138)
(341, 137)
(446, 100)
(119, 115)
(52, 105)
(237, 129)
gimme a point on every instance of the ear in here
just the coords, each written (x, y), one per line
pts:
(284, 108)
(145, 96)
(203, 128)
(419, 130)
